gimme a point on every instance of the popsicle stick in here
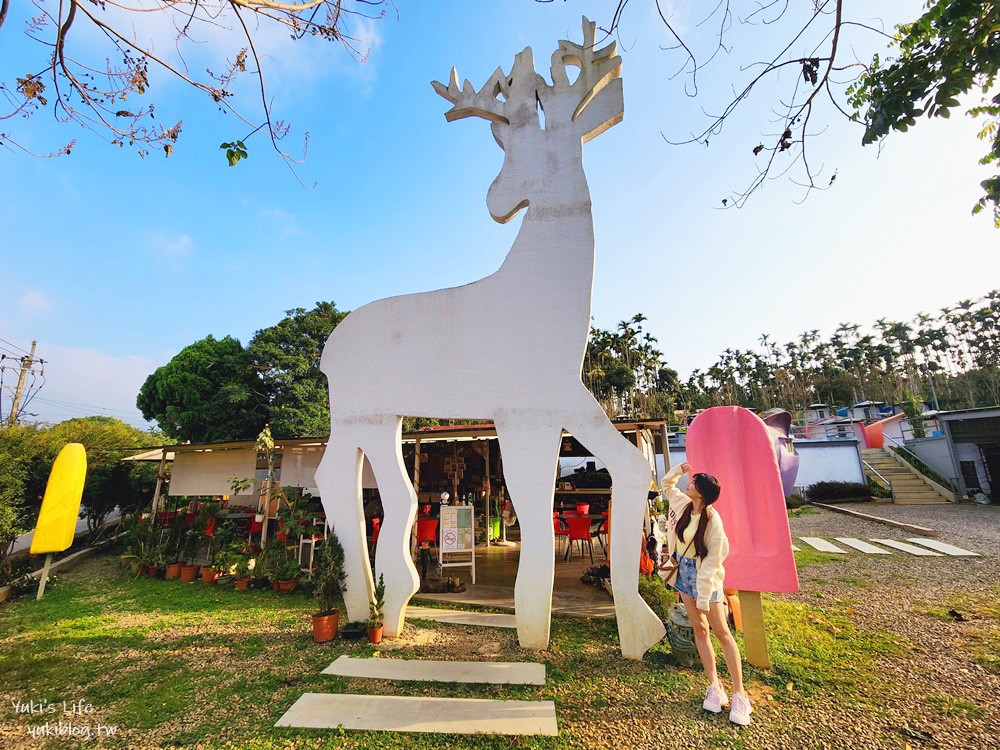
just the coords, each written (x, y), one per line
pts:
(44, 577)
(754, 639)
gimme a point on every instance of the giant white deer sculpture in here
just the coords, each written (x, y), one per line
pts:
(508, 347)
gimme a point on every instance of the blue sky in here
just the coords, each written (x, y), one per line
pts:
(115, 263)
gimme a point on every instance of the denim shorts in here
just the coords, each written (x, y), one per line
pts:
(687, 580)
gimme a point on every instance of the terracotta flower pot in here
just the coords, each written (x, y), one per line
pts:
(242, 584)
(143, 570)
(188, 573)
(286, 586)
(375, 634)
(325, 626)
(208, 574)
(173, 571)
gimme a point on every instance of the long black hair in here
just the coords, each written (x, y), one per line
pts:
(708, 487)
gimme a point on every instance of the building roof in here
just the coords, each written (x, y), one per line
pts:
(980, 412)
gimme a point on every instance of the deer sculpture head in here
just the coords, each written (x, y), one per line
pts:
(533, 120)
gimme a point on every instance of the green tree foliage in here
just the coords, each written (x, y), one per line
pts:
(21, 464)
(26, 456)
(951, 50)
(959, 348)
(626, 373)
(286, 358)
(207, 393)
(217, 390)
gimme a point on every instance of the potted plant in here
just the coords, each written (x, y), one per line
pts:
(172, 547)
(189, 571)
(328, 582)
(286, 575)
(158, 562)
(264, 562)
(225, 565)
(376, 617)
(242, 582)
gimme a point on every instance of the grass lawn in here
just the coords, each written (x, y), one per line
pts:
(187, 665)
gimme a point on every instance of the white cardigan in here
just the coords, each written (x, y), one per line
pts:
(711, 574)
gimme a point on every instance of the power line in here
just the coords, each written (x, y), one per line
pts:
(74, 405)
(9, 343)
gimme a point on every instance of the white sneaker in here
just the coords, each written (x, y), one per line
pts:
(741, 710)
(715, 699)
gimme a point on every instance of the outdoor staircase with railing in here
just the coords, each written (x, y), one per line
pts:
(908, 486)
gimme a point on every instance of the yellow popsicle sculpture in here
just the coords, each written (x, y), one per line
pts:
(60, 510)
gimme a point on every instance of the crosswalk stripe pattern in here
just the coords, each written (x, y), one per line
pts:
(917, 546)
(911, 548)
(489, 672)
(822, 545)
(862, 546)
(948, 549)
(395, 713)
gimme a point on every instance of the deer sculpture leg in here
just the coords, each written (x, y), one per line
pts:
(638, 626)
(399, 501)
(338, 478)
(530, 456)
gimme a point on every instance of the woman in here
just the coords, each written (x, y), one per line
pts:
(698, 543)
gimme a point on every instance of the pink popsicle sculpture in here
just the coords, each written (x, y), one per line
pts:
(735, 446)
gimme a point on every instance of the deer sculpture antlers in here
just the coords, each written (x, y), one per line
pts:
(504, 95)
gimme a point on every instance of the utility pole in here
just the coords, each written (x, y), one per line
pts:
(26, 363)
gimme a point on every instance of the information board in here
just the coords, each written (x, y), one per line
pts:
(458, 542)
(456, 528)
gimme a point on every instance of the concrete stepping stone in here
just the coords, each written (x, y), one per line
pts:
(488, 672)
(911, 548)
(822, 545)
(393, 713)
(483, 619)
(861, 546)
(946, 548)
(795, 549)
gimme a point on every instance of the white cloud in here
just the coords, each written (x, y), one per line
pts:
(33, 302)
(85, 382)
(170, 250)
(287, 223)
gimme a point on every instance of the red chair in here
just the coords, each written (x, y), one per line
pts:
(427, 529)
(376, 525)
(579, 531)
(560, 530)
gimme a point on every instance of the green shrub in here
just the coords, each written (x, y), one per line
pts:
(836, 490)
(657, 595)
(795, 500)
(877, 490)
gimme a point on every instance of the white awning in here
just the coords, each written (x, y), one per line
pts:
(299, 464)
(211, 472)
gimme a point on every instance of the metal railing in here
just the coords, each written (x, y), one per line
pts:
(899, 446)
(918, 462)
(873, 470)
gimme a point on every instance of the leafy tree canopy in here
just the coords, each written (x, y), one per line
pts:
(206, 393)
(951, 50)
(217, 390)
(286, 357)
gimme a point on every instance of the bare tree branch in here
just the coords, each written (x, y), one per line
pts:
(94, 96)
